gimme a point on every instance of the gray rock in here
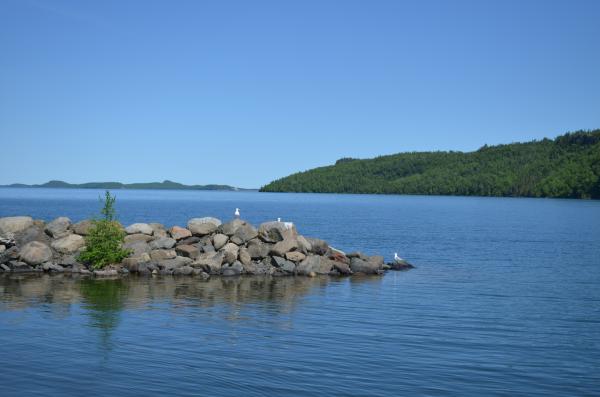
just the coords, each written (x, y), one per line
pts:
(315, 264)
(283, 264)
(284, 246)
(342, 268)
(244, 233)
(210, 262)
(142, 228)
(236, 240)
(35, 253)
(230, 227)
(4, 267)
(189, 240)
(136, 260)
(203, 226)
(66, 260)
(207, 248)
(136, 238)
(359, 265)
(272, 232)
(162, 254)
(258, 249)
(137, 248)
(68, 244)
(233, 270)
(158, 230)
(58, 227)
(105, 273)
(2, 248)
(230, 253)
(33, 233)
(9, 226)
(183, 271)
(162, 243)
(51, 267)
(304, 245)
(219, 240)
(170, 264)
(188, 251)
(82, 228)
(179, 233)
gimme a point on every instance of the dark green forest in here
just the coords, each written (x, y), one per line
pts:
(567, 166)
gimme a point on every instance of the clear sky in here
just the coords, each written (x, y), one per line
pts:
(248, 91)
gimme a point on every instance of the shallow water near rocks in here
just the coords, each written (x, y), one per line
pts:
(505, 300)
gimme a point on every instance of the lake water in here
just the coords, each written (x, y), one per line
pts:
(505, 300)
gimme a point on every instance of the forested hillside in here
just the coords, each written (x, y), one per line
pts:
(568, 166)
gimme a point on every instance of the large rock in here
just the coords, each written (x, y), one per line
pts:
(179, 233)
(2, 248)
(68, 244)
(133, 263)
(234, 269)
(244, 233)
(282, 247)
(272, 232)
(32, 233)
(189, 251)
(35, 253)
(137, 248)
(263, 267)
(304, 245)
(230, 227)
(185, 270)
(162, 243)
(258, 250)
(203, 226)
(230, 253)
(219, 240)
(142, 228)
(12, 225)
(211, 262)
(318, 246)
(359, 265)
(170, 264)
(315, 264)
(58, 227)
(283, 264)
(162, 254)
(244, 256)
(295, 256)
(82, 228)
(135, 238)
(158, 230)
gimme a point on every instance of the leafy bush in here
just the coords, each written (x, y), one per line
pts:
(104, 241)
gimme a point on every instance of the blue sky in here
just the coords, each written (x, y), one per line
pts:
(243, 92)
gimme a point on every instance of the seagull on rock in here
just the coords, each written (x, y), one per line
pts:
(397, 259)
(237, 213)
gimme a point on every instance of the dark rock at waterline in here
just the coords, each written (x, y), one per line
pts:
(400, 265)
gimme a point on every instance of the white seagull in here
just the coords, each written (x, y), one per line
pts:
(237, 213)
(278, 219)
(397, 259)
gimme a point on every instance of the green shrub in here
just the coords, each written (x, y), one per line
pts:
(104, 241)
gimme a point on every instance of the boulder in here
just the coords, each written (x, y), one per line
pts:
(244, 233)
(68, 244)
(282, 247)
(304, 245)
(359, 265)
(189, 251)
(162, 243)
(230, 228)
(219, 240)
(137, 248)
(35, 253)
(272, 232)
(4, 268)
(51, 267)
(203, 226)
(162, 254)
(66, 260)
(283, 264)
(295, 256)
(318, 246)
(136, 238)
(338, 256)
(179, 233)
(32, 233)
(189, 240)
(185, 270)
(232, 270)
(400, 265)
(230, 253)
(244, 256)
(9, 226)
(82, 228)
(342, 267)
(315, 264)
(207, 248)
(170, 264)
(58, 227)
(258, 250)
(158, 230)
(210, 262)
(2, 248)
(142, 228)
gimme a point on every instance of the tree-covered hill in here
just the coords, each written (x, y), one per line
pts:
(568, 166)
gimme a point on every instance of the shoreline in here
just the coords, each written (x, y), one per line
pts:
(205, 248)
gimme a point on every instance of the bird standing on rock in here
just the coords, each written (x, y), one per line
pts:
(397, 259)
(237, 213)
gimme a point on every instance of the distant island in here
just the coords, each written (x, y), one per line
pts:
(164, 185)
(565, 167)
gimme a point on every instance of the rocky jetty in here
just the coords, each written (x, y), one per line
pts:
(205, 247)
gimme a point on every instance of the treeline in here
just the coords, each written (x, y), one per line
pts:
(568, 166)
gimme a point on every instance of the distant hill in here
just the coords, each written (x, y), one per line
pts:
(568, 166)
(164, 185)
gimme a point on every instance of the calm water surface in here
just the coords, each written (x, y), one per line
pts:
(505, 301)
